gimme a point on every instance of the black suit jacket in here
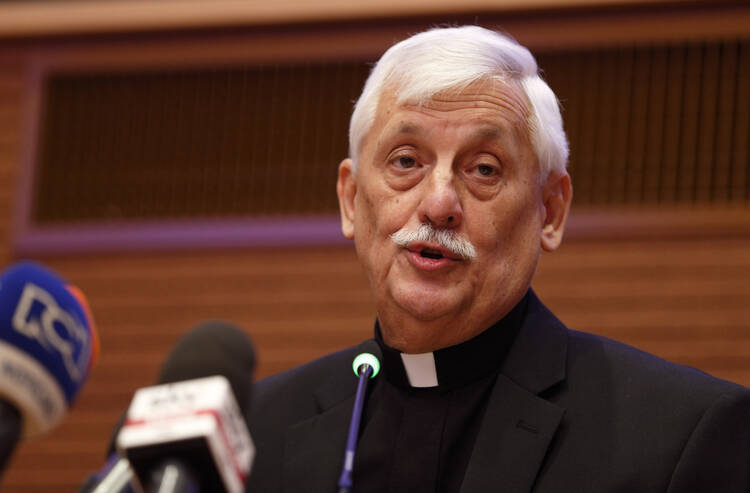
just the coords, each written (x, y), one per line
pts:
(569, 412)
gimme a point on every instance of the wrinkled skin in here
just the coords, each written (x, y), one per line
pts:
(461, 161)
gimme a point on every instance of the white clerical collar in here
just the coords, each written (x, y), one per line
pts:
(420, 369)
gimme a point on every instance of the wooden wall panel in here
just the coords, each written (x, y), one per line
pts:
(560, 23)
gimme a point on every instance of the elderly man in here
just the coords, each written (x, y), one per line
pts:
(455, 184)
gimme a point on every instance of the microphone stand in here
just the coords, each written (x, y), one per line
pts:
(345, 481)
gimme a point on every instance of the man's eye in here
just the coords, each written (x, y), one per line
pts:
(486, 170)
(406, 162)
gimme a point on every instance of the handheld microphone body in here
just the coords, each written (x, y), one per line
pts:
(48, 344)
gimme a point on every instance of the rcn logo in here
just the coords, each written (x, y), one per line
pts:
(39, 317)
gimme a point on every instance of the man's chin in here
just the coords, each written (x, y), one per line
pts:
(426, 306)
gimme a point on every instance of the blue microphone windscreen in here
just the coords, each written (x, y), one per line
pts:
(47, 344)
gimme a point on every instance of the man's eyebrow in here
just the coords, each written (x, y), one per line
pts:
(407, 128)
(403, 128)
(489, 132)
(485, 132)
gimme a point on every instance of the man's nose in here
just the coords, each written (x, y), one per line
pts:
(440, 204)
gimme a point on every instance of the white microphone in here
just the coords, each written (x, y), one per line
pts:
(189, 432)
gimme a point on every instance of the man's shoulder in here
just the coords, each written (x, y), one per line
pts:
(635, 373)
(592, 360)
(651, 421)
(295, 389)
(310, 372)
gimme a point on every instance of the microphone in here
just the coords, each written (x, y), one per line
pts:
(189, 433)
(212, 348)
(366, 365)
(48, 344)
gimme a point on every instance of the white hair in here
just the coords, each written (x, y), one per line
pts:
(450, 59)
(446, 238)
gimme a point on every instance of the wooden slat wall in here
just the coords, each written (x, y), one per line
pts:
(252, 140)
(656, 124)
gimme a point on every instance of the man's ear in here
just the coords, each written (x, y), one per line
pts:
(557, 195)
(346, 188)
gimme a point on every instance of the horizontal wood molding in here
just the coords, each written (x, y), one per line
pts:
(54, 17)
(675, 223)
(585, 224)
(545, 24)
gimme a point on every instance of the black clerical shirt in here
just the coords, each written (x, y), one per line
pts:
(424, 412)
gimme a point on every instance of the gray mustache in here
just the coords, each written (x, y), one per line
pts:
(448, 239)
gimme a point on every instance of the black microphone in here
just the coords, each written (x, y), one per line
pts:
(366, 365)
(155, 455)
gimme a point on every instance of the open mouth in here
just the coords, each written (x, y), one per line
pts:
(430, 253)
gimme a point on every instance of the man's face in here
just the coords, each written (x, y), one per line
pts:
(462, 163)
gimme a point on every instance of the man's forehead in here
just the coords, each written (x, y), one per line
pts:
(495, 107)
(482, 89)
(485, 130)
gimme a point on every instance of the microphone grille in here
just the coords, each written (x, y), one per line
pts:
(368, 353)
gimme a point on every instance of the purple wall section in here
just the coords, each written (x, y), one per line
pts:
(133, 236)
